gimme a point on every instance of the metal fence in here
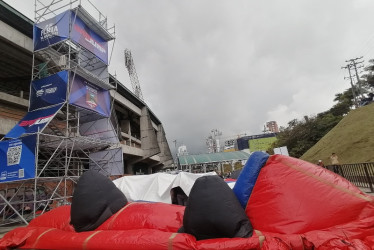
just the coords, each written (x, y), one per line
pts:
(360, 174)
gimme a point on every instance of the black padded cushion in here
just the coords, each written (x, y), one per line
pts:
(213, 211)
(95, 199)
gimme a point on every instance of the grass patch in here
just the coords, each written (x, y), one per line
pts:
(352, 139)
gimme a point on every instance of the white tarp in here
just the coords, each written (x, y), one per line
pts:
(156, 187)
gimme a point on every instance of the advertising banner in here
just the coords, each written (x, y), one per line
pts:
(261, 144)
(51, 31)
(17, 159)
(48, 91)
(86, 37)
(87, 95)
(33, 122)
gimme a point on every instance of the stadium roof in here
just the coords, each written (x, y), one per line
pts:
(214, 157)
(17, 20)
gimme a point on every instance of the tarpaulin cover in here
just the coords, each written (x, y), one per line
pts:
(95, 199)
(33, 122)
(17, 159)
(156, 187)
(213, 211)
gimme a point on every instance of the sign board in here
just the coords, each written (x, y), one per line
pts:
(17, 159)
(281, 151)
(261, 144)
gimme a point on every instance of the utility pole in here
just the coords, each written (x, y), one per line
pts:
(176, 154)
(216, 146)
(354, 64)
(352, 85)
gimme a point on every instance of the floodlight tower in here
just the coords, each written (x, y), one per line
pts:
(129, 62)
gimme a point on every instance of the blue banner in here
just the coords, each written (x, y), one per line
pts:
(56, 29)
(17, 159)
(33, 122)
(48, 91)
(87, 95)
(86, 37)
(51, 31)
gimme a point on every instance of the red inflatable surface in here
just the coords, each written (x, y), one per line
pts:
(294, 197)
(293, 205)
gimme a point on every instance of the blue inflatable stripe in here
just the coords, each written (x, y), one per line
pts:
(247, 178)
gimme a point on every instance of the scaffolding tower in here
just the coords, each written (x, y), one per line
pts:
(70, 124)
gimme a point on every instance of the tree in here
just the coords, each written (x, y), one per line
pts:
(367, 80)
(300, 136)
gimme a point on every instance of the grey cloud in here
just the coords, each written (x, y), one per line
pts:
(233, 65)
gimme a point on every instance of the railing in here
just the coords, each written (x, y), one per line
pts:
(360, 174)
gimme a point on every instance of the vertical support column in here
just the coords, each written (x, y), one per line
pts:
(165, 155)
(148, 136)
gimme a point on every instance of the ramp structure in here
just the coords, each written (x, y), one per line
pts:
(70, 125)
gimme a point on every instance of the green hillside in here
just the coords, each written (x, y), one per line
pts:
(352, 139)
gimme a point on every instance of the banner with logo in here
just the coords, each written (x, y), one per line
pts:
(17, 159)
(48, 91)
(33, 121)
(56, 29)
(89, 96)
(51, 31)
(86, 37)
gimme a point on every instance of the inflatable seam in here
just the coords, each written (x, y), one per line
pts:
(171, 238)
(115, 216)
(328, 183)
(37, 239)
(85, 242)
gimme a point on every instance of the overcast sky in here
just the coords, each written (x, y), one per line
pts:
(234, 65)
